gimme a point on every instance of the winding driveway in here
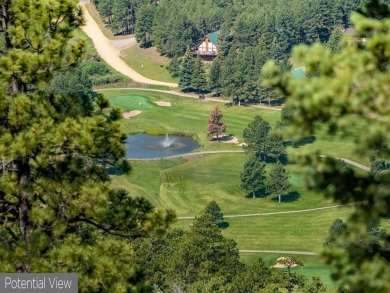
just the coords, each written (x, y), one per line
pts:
(111, 55)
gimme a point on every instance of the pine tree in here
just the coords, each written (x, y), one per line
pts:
(144, 24)
(256, 136)
(278, 183)
(252, 178)
(57, 210)
(186, 70)
(216, 126)
(275, 147)
(214, 211)
(334, 42)
(174, 67)
(214, 77)
(198, 80)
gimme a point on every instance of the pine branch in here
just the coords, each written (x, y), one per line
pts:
(105, 229)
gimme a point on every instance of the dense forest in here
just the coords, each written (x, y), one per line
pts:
(172, 25)
(251, 32)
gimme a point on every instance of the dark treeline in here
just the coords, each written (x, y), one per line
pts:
(251, 32)
(172, 25)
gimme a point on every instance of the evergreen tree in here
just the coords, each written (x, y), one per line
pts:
(214, 77)
(256, 136)
(122, 16)
(198, 80)
(186, 70)
(214, 211)
(275, 147)
(215, 125)
(174, 67)
(197, 260)
(252, 178)
(227, 78)
(350, 86)
(200, 259)
(73, 81)
(57, 210)
(279, 181)
(144, 25)
(334, 42)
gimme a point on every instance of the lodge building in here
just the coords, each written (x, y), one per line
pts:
(208, 48)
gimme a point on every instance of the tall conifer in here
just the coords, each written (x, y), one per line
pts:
(186, 70)
(199, 80)
(57, 210)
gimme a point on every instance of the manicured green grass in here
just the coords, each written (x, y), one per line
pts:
(129, 103)
(190, 116)
(149, 63)
(304, 231)
(188, 185)
(187, 115)
(313, 266)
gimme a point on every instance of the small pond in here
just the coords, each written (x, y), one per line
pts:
(144, 146)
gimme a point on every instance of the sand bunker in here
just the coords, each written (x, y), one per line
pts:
(130, 114)
(226, 139)
(163, 104)
(281, 266)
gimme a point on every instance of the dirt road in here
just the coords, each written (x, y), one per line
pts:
(110, 54)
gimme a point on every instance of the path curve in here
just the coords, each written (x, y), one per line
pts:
(350, 162)
(277, 251)
(111, 54)
(273, 213)
(187, 155)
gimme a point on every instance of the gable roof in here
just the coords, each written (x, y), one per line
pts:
(213, 37)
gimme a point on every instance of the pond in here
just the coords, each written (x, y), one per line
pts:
(144, 146)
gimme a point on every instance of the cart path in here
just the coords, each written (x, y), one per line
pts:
(274, 213)
(350, 162)
(278, 251)
(111, 55)
(193, 96)
(188, 155)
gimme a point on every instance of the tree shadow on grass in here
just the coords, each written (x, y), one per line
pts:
(291, 197)
(114, 171)
(261, 193)
(223, 225)
(224, 137)
(282, 159)
(302, 142)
